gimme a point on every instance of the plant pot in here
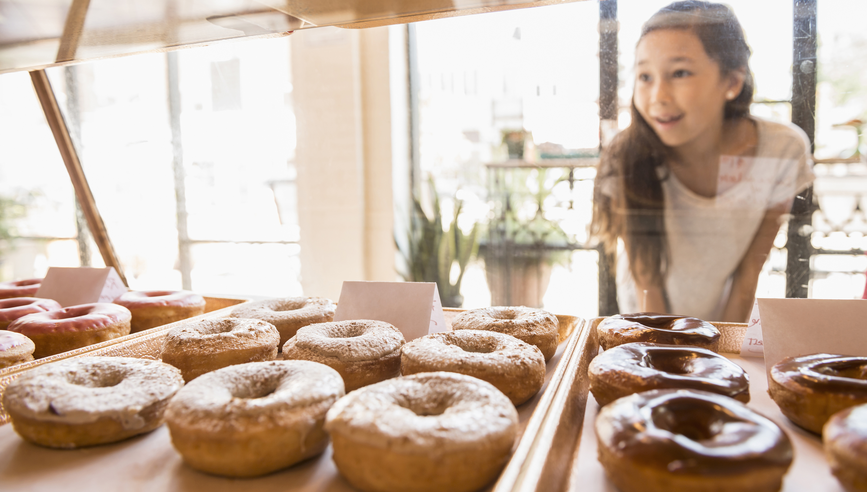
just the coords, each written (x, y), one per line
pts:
(519, 280)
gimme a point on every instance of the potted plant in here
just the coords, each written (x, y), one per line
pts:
(515, 141)
(431, 252)
(521, 249)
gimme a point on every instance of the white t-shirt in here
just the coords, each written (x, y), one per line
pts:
(708, 237)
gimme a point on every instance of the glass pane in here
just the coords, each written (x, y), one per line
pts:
(209, 204)
(44, 33)
(38, 224)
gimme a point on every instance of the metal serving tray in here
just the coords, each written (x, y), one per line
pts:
(149, 462)
(140, 344)
(562, 456)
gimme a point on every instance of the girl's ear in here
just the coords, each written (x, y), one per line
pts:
(735, 83)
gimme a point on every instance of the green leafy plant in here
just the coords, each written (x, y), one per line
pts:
(432, 251)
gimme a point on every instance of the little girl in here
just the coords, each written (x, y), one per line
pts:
(691, 195)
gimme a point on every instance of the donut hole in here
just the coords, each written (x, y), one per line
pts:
(158, 293)
(425, 407)
(346, 330)
(694, 419)
(90, 379)
(670, 361)
(289, 306)
(216, 326)
(853, 369)
(256, 389)
(478, 347)
(505, 314)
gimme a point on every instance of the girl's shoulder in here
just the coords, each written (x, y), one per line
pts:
(777, 139)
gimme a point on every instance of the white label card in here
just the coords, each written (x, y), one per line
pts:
(74, 286)
(753, 344)
(794, 327)
(414, 308)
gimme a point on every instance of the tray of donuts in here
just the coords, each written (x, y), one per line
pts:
(346, 405)
(34, 331)
(673, 406)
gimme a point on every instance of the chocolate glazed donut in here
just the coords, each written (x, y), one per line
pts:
(690, 441)
(657, 328)
(811, 388)
(636, 367)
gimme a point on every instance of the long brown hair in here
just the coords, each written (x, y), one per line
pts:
(634, 162)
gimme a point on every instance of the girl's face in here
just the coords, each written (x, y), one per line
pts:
(679, 89)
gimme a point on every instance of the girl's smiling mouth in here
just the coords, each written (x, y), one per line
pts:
(666, 122)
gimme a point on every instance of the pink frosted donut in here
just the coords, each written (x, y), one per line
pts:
(15, 348)
(160, 307)
(14, 308)
(19, 288)
(74, 327)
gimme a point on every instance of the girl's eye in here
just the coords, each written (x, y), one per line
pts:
(678, 74)
(643, 77)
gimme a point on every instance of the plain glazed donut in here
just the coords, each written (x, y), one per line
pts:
(210, 344)
(160, 307)
(636, 367)
(16, 307)
(428, 432)
(362, 351)
(690, 441)
(15, 348)
(533, 326)
(845, 438)
(73, 327)
(657, 328)
(512, 366)
(288, 314)
(20, 288)
(811, 388)
(90, 400)
(252, 419)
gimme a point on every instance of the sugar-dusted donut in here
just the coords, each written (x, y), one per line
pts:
(160, 307)
(636, 367)
(534, 326)
(251, 419)
(20, 288)
(514, 367)
(810, 388)
(690, 441)
(289, 313)
(428, 432)
(362, 351)
(845, 438)
(206, 345)
(15, 348)
(90, 400)
(73, 327)
(657, 328)
(16, 307)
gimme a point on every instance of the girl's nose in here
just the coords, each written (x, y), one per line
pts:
(660, 92)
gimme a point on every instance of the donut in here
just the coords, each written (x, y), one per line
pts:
(534, 326)
(15, 348)
(16, 307)
(288, 314)
(809, 389)
(160, 307)
(845, 440)
(657, 328)
(62, 330)
(362, 351)
(427, 432)
(512, 366)
(19, 288)
(689, 441)
(636, 367)
(90, 400)
(251, 419)
(210, 344)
